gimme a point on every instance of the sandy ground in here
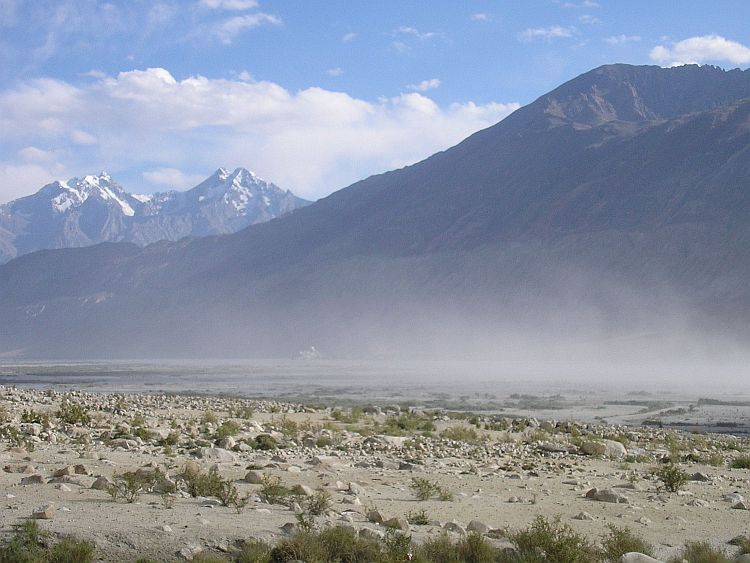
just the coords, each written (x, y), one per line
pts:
(503, 480)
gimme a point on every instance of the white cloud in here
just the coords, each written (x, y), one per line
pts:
(546, 33)
(480, 17)
(579, 5)
(229, 29)
(18, 180)
(698, 50)
(589, 19)
(172, 178)
(34, 154)
(349, 37)
(230, 4)
(622, 39)
(425, 85)
(312, 141)
(82, 138)
(335, 71)
(414, 32)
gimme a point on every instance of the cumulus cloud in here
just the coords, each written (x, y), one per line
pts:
(425, 85)
(231, 28)
(546, 33)
(698, 50)
(335, 71)
(588, 19)
(18, 180)
(312, 141)
(480, 17)
(172, 178)
(82, 138)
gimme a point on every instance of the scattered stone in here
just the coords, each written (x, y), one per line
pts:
(44, 512)
(607, 495)
(702, 477)
(635, 557)
(583, 516)
(32, 480)
(455, 527)
(397, 523)
(217, 454)
(101, 483)
(478, 527)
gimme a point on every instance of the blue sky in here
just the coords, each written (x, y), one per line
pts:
(312, 95)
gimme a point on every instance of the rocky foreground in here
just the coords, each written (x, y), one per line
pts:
(186, 477)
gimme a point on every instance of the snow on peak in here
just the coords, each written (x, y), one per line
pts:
(76, 191)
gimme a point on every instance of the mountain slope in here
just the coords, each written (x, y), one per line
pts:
(616, 205)
(94, 209)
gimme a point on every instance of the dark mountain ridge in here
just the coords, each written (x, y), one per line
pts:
(616, 204)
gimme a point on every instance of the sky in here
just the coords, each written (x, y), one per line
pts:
(310, 95)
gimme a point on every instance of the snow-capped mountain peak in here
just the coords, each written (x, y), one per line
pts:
(95, 208)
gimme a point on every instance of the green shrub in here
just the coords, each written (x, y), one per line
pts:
(423, 488)
(35, 417)
(74, 413)
(319, 503)
(408, 423)
(129, 485)
(741, 462)
(672, 477)
(620, 541)
(227, 428)
(419, 518)
(558, 543)
(272, 490)
(253, 551)
(475, 549)
(700, 552)
(304, 546)
(71, 550)
(172, 439)
(460, 434)
(265, 442)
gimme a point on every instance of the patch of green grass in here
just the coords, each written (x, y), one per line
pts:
(741, 462)
(558, 543)
(460, 434)
(700, 552)
(620, 541)
(672, 477)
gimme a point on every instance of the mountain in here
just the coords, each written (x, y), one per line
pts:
(610, 216)
(94, 209)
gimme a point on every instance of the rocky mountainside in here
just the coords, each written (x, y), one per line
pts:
(615, 208)
(94, 209)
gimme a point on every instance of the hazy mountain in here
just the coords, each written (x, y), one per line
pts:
(94, 209)
(614, 209)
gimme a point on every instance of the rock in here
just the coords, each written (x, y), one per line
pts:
(44, 512)
(606, 448)
(374, 516)
(455, 527)
(227, 443)
(387, 464)
(698, 476)
(63, 487)
(635, 557)
(217, 454)
(369, 533)
(744, 558)
(514, 500)
(166, 528)
(26, 468)
(583, 516)
(101, 483)
(189, 552)
(356, 489)
(254, 477)
(289, 528)
(32, 480)
(67, 470)
(397, 523)
(478, 527)
(733, 498)
(406, 466)
(551, 447)
(741, 505)
(607, 495)
(124, 443)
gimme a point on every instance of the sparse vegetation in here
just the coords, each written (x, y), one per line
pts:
(30, 544)
(672, 477)
(424, 489)
(74, 413)
(620, 541)
(741, 462)
(553, 542)
(700, 552)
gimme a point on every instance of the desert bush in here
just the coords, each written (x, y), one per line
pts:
(265, 442)
(741, 462)
(672, 477)
(408, 423)
(209, 417)
(35, 417)
(352, 417)
(460, 434)
(423, 488)
(253, 551)
(74, 413)
(475, 549)
(418, 518)
(15, 438)
(700, 552)
(29, 544)
(714, 459)
(273, 490)
(319, 503)
(620, 541)
(172, 439)
(227, 428)
(556, 542)
(129, 485)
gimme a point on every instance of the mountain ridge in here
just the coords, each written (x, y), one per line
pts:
(95, 208)
(542, 224)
